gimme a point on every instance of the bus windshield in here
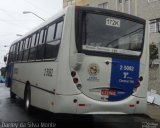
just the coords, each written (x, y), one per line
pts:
(105, 33)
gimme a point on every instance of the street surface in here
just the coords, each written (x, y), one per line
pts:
(13, 115)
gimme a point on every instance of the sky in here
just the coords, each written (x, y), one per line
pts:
(13, 21)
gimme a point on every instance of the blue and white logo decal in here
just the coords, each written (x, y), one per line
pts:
(124, 77)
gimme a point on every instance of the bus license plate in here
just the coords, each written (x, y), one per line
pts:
(108, 92)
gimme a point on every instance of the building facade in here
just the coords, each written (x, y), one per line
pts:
(76, 2)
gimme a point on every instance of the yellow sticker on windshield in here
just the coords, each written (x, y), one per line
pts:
(113, 22)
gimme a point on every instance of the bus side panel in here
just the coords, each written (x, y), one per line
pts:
(43, 93)
(144, 72)
(18, 88)
(42, 84)
(65, 85)
(9, 74)
(144, 67)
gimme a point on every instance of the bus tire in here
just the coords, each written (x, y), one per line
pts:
(12, 95)
(27, 99)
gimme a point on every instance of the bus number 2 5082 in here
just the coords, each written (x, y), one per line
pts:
(48, 72)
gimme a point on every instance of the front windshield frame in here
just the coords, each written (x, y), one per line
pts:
(80, 14)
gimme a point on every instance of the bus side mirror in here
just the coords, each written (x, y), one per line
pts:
(77, 60)
(5, 58)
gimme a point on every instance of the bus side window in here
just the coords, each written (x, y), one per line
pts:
(14, 52)
(52, 46)
(37, 39)
(10, 55)
(23, 48)
(20, 51)
(32, 54)
(51, 33)
(40, 47)
(26, 49)
(59, 30)
(17, 50)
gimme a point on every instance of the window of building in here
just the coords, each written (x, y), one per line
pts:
(158, 26)
(155, 25)
(73, 2)
(70, 2)
(152, 0)
(126, 7)
(103, 5)
(120, 1)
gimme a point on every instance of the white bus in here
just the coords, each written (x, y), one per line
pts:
(84, 61)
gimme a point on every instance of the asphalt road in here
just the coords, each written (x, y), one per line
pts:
(13, 115)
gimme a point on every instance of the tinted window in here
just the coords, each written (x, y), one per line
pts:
(33, 40)
(52, 49)
(20, 55)
(33, 49)
(50, 35)
(11, 55)
(14, 52)
(41, 46)
(40, 52)
(26, 43)
(111, 34)
(41, 37)
(32, 55)
(26, 51)
(21, 46)
(17, 50)
(37, 38)
(59, 30)
(11, 49)
(17, 47)
(45, 34)
(29, 43)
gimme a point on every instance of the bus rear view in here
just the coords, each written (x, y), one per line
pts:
(112, 48)
(83, 61)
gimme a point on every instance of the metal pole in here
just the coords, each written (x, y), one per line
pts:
(25, 12)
